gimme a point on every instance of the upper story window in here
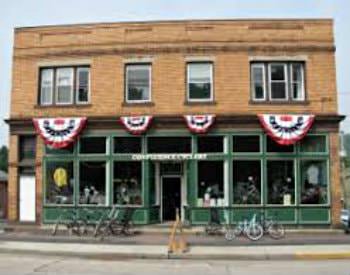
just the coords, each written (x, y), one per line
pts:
(138, 83)
(64, 85)
(277, 81)
(200, 81)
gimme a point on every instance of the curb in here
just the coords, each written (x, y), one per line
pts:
(187, 256)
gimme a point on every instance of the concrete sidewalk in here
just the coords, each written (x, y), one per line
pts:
(111, 252)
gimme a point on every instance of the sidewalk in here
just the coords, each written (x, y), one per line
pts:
(321, 245)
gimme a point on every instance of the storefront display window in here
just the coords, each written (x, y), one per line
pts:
(246, 182)
(92, 182)
(313, 144)
(246, 144)
(59, 182)
(127, 183)
(93, 145)
(281, 182)
(127, 145)
(169, 145)
(210, 183)
(273, 147)
(314, 182)
(210, 144)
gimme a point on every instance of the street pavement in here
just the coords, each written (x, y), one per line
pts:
(12, 264)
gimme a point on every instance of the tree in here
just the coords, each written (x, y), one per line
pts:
(3, 158)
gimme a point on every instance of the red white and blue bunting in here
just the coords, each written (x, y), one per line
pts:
(286, 129)
(199, 124)
(59, 132)
(136, 125)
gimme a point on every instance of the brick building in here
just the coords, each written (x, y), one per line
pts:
(235, 114)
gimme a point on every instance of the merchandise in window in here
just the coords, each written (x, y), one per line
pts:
(92, 182)
(210, 183)
(246, 144)
(281, 182)
(59, 182)
(246, 181)
(127, 183)
(200, 81)
(138, 83)
(314, 187)
(92, 145)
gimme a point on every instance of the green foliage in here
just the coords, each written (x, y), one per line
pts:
(3, 158)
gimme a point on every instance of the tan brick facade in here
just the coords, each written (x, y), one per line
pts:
(230, 45)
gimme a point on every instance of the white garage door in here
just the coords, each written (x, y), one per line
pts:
(27, 198)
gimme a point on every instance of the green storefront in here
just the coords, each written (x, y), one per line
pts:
(239, 172)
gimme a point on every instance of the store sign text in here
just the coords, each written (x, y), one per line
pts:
(169, 156)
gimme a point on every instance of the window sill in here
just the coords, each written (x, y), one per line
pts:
(192, 103)
(133, 104)
(279, 102)
(63, 106)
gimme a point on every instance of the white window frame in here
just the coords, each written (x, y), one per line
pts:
(72, 86)
(77, 86)
(128, 66)
(41, 87)
(302, 83)
(278, 81)
(211, 98)
(258, 65)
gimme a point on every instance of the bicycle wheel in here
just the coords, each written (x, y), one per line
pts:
(276, 230)
(254, 232)
(230, 234)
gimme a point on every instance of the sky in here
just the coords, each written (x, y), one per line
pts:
(17, 13)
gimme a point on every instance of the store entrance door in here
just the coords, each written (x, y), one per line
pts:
(171, 197)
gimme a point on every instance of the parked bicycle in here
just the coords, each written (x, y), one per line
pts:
(117, 222)
(249, 228)
(70, 220)
(271, 227)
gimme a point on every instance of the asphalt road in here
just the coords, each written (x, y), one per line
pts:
(20, 264)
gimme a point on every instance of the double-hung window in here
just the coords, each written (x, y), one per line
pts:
(277, 81)
(200, 81)
(64, 85)
(138, 83)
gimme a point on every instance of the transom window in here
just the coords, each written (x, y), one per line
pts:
(64, 85)
(200, 81)
(138, 83)
(277, 81)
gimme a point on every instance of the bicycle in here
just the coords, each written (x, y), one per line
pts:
(250, 228)
(271, 227)
(68, 218)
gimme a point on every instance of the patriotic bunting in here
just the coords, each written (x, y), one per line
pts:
(199, 123)
(286, 129)
(59, 132)
(136, 125)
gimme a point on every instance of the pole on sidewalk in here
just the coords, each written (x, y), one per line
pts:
(177, 245)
